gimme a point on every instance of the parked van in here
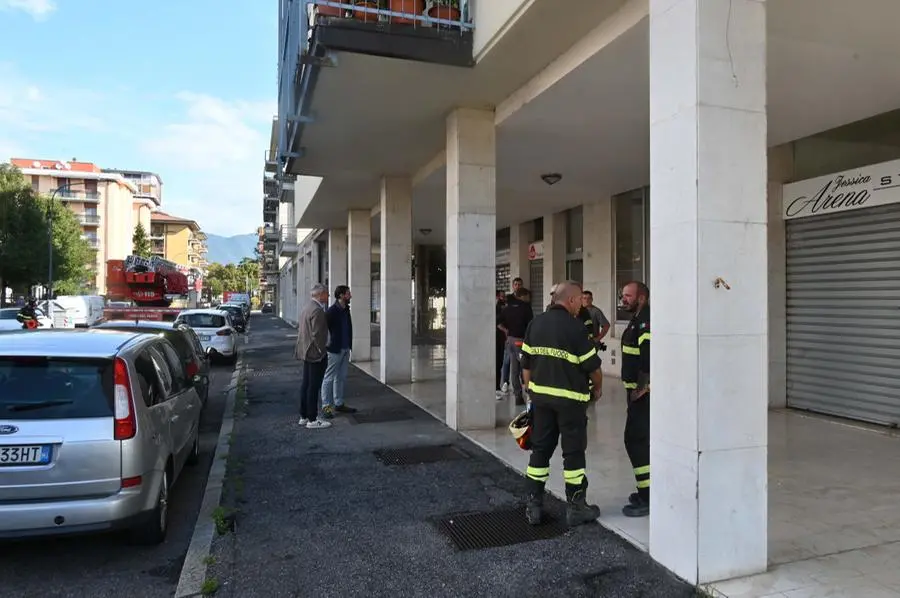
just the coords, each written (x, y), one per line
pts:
(86, 310)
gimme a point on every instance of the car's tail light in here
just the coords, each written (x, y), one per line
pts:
(125, 426)
(224, 332)
(192, 369)
(132, 482)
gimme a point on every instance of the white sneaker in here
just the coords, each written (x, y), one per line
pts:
(504, 388)
(500, 395)
(304, 421)
(318, 424)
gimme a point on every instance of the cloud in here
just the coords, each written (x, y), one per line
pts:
(26, 106)
(38, 9)
(215, 153)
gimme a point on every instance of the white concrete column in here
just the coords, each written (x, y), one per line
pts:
(396, 279)
(554, 252)
(471, 269)
(359, 237)
(337, 257)
(709, 298)
(518, 254)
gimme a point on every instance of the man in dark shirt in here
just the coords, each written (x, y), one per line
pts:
(517, 284)
(514, 320)
(340, 343)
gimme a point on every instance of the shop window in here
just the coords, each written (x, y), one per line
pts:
(504, 278)
(575, 230)
(632, 241)
(503, 239)
(575, 270)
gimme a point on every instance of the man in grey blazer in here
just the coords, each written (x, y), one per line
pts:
(312, 337)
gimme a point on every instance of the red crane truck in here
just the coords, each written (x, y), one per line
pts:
(151, 285)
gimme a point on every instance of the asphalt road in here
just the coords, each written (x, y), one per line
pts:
(107, 565)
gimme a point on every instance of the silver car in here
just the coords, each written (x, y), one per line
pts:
(95, 427)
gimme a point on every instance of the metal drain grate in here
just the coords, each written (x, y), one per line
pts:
(502, 527)
(380, 417)
(417, 455)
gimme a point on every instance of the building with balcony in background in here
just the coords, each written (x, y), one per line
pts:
(720, 151)
(147, 185)
(105, 204)
(178, 240)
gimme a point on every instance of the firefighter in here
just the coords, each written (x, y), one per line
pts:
(636, 377)
(558, 362)
(27, 316)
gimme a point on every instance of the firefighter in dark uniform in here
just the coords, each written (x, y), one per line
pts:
(27, 316)
(636, 377)
(558, 361)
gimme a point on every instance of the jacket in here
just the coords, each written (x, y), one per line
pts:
(515, 317)
(312, 333)
(560, 356)
(636, 351)
(336, 323)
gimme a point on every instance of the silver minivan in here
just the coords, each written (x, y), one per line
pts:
(95, 427)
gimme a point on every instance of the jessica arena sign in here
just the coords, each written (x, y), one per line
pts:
(866, 187)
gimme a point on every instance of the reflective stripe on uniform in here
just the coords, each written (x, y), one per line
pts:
(630, 385)
(643, 337)
(642, 476)
(630, 350)
(559, 392)
(558, 353)
(643, 484)
(539, 474)
(642, 470)
(574, 476)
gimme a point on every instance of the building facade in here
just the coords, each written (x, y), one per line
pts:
(704, 148)
(105, 203)
(178, 240)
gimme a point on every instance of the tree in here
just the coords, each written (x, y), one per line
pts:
(243, 276)
(140, 241)
(23, 237)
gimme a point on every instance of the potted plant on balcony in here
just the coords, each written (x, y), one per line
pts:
(444, 9)
(410, 7)
(365, 16)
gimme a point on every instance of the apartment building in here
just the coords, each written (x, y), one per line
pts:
(722, 152)
(105, 203)
(146, 184)
(178, 240)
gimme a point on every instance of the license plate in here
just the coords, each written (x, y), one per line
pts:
(24, 455)
(205, 337)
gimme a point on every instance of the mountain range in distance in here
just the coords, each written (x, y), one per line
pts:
(230, 250)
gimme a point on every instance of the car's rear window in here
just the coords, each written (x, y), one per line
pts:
(203, 320)
(51, 388)
(182, 345)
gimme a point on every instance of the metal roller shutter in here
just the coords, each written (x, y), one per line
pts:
(843, 314)
(536, 277)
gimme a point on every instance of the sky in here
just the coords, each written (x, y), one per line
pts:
(183, 88)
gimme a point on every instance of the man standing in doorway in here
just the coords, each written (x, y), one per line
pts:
(312, 337)
(340, 344)
(601, 323)
(559, 360)
(636, 377)
(514, 321)
(517, 284)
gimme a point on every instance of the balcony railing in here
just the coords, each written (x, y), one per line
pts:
(89, 219)
(294, 33)
(288, 240)
(70, 195)
(93, 242)
(271, 163)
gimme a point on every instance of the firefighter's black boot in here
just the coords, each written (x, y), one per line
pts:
(534, 508)
(578, 511)
(638, 504)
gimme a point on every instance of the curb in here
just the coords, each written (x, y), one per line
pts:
(193, 571)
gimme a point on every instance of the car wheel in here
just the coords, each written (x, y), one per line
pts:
(194, 457)
(233, 359)
(153, 530)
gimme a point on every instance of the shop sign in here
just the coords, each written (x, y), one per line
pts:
(866, 187)
(536, 251)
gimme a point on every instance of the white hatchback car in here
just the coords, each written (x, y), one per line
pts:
(215, 330)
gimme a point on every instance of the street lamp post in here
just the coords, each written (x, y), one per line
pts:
(63, 187)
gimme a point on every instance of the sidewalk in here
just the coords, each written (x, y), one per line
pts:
(318, 514)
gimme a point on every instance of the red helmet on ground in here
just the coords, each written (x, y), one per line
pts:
(520, 428)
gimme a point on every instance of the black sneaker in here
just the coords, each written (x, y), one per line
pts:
(328, 412)
(344, 409)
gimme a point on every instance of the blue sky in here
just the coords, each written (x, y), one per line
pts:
(184, 88)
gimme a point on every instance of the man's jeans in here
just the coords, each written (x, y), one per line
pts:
(504, 370)
(335, 376)
(513, 348)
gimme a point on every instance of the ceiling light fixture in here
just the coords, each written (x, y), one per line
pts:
(551, 178)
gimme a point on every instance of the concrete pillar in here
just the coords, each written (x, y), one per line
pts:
(554, 252)
(709, 300)
(359, 237)
(599, 276)
(471, 269)
(337, 257)
(518, 253)
(396, 280)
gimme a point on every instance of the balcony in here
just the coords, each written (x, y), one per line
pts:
(287, 244)
(271, 234)
(270, 184)
(89, 219)
(271, 162)
(93, 242)
(69, 195)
